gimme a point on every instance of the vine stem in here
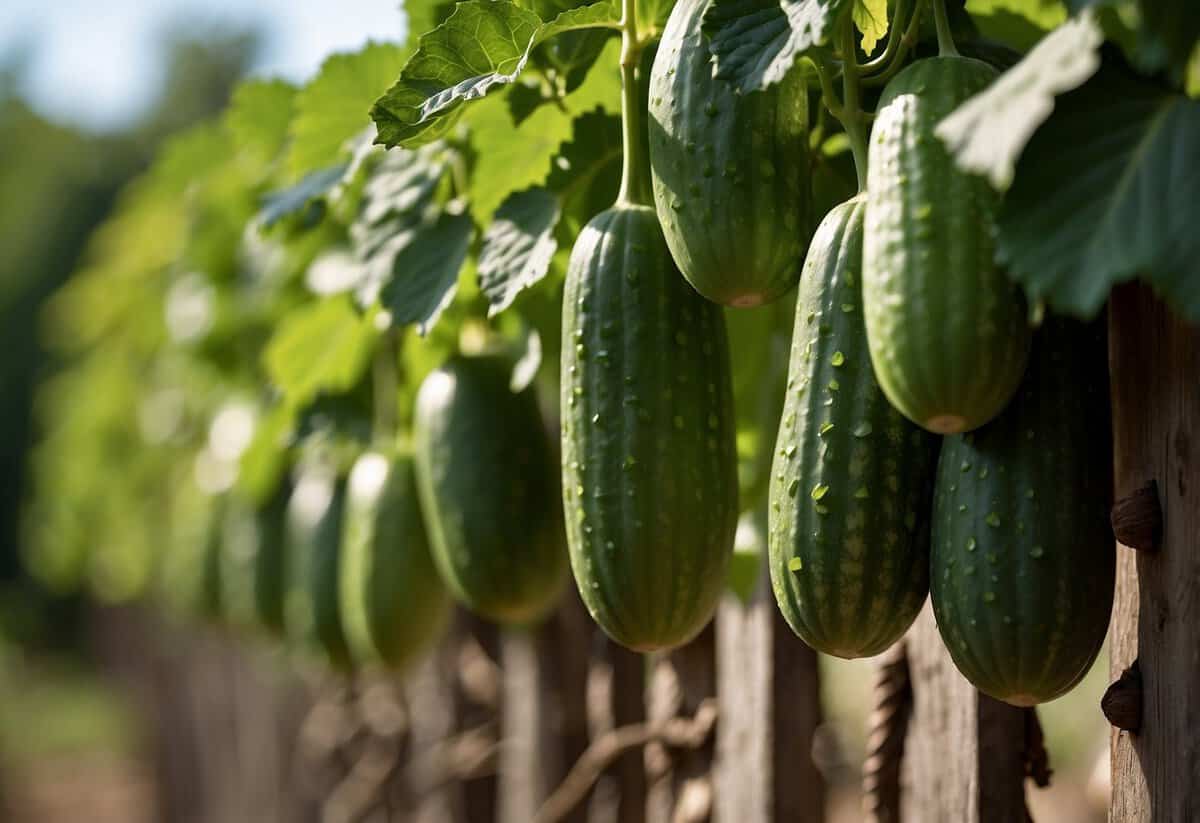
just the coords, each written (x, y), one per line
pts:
(635, 168)
(906, 43)
(946, 47)
(385, 377)
(895, 35)
(853, 120)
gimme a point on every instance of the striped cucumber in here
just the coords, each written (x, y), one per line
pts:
(1023, 553)
(852, 479)
(730, 171)
(649, 466)
(947, 328)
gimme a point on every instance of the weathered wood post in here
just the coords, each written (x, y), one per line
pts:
(964, 757)
(1155, 362)
(544, 709)
(769, 699)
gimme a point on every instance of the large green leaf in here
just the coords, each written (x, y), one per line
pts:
(1106, 191)
(756, 42)
(415, 274)
(333, 107)
(303, 200)
(483, 46)
(322, 347)
(409, 248)
(518, 246)
(1168, 30)
(988, 132)
(259, 116)
(512, 158)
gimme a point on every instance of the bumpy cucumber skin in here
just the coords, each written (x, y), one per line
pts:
(252, 563)
(649, 463)
(1023, 553)
(947, 328)
(852, 479)
(487, 484)
(730, 171)
(394, 605)
(312, 611)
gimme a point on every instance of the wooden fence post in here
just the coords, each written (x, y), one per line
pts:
(1155, 363)
(769, 701)
(964, 754)
(544, 709)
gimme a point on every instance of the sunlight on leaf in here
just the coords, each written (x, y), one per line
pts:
(333, 107)
(483, 46)
(987, 133)
(320, 347)
(871, 18)
(756, 42)
(1105, 192)
(517, 247)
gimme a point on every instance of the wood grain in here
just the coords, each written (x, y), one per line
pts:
(963, 756)
(1155, 364)
(769, 697)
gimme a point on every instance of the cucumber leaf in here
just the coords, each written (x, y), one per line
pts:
(756, 42)
(987, 133)
(1104, 192)
(871, 19)
(332, 108)
(518, 246)
(322, 347)
(483, 46)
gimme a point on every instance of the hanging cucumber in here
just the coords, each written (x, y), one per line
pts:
(313, 549)
(252, 562)
(1023, 553)
(393, 603)
(730, 171)
(852, 479)
(485, 474)
(947, 328)
(649, 468)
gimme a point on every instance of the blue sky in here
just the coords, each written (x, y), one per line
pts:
(95, 63)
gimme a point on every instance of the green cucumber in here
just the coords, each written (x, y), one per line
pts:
(1023, 553)
(730, 171)
(649, 464)
(947, 328)
(852, 480)
(252, 572)
(394, 605)
(485, 474)
(313, 548)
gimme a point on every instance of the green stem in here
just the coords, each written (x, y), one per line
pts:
(911, 35)
(853, 120)
(945, 38)
(385, 376)
(828, 96)
(895, 35)
(635, 170)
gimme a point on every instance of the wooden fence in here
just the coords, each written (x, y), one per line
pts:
(557, 724)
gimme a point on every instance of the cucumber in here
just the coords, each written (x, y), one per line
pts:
(852, 479)
(313, 547)
(730, 171)
(947, 328)
(394, 606)
(252, 563)
(1023, 553)
(485, 474)
(649, 464)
